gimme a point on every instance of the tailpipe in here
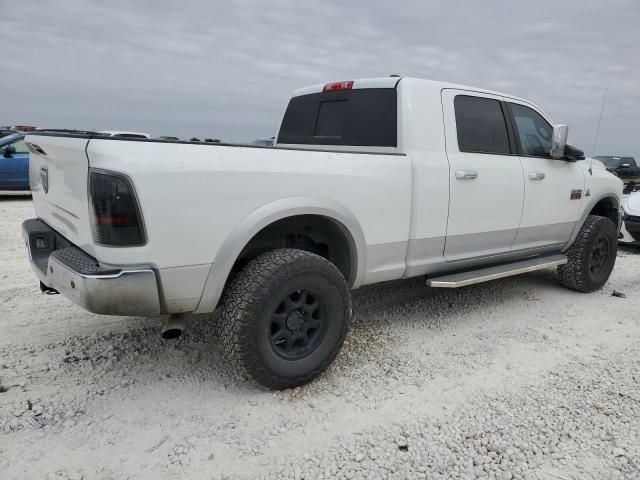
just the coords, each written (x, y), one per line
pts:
(173, 326)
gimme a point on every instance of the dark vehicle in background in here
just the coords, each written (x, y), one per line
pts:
(14, 163)
(624, 167)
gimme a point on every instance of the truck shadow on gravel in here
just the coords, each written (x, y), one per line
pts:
(384, 316)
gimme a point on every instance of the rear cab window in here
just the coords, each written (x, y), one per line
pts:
(481, 125)
(365, 117)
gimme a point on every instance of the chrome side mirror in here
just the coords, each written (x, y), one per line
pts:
(559, 141)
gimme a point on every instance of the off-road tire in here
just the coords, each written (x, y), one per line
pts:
(250, 301)
(576, 274)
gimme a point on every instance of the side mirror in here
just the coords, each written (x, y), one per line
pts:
(9, 150)
(572, 154)
(559, 141)
(624, 165)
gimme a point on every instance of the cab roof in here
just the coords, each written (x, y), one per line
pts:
(392, 82)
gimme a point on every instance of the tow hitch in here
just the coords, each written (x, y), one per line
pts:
(48, 290)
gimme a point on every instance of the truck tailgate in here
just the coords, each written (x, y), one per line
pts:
(58, 174)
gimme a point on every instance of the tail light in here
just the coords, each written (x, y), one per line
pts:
(116, 219)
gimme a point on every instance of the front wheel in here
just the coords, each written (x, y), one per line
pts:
(591, 257)
(284, 317)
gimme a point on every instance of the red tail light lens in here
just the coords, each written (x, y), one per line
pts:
(334, 87)
(116, 216)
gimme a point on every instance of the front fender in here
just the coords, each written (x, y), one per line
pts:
(263, 217)
(589, 206)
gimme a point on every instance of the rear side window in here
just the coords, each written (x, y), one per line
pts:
(481, 125)
(360, 117)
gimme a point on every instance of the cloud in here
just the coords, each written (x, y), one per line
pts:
(226, 69)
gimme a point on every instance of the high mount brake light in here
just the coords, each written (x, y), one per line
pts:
(116, 219)
(336, 86)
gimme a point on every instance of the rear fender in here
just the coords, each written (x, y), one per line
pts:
(266, 215)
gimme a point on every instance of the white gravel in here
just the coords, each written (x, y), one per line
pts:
(519, 378)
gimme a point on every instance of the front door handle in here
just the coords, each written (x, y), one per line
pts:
(536, 176)
(466, 174)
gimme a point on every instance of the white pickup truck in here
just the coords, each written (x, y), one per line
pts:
(370, 180)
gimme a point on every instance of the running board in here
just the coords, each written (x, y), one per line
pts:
(492, 273)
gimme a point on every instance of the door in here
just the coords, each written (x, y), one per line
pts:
(554, 189)
(14, 167)
(22, 163)
(486, 186)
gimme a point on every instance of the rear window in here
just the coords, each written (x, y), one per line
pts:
(361, 117)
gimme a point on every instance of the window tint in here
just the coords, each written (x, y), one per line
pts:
(360, 117)
(481, 125)
(331, 119)
(534, 132)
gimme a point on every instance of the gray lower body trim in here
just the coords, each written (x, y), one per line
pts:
(462, 247)
(423, 255)
(385, 261)
(542, 236)
(181, 287)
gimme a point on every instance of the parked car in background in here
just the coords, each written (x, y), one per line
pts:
(112, 133)
(631, 215)
(168, 137)
(624, 167)
(14, 163)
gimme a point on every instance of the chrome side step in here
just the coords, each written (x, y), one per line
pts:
(492, 273)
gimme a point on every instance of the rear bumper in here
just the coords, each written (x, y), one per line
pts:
(64, 267)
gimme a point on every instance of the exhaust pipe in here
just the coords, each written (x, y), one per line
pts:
(173, 326)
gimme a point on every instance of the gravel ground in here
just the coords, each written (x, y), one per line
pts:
(518, 378)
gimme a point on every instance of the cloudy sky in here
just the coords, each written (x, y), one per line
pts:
(226, 69)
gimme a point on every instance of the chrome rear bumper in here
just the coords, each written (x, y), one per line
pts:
(67, 269)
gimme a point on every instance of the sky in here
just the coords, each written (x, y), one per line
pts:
(226, 69)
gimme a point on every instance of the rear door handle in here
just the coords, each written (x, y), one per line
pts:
(536, 176)
(466, 174)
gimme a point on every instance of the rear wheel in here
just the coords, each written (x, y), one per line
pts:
(591, 257)
(284, 317)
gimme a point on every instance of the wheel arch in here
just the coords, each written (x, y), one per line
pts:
(269, 214)
(606, 204)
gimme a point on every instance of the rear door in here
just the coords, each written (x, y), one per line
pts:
(554, 189)
(485, 179)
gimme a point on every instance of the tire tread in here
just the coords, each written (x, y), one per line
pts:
(239, 309)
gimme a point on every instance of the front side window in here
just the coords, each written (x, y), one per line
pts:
(480, 125)
(534, 132)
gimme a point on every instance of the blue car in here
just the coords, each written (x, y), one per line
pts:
(14, 163)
